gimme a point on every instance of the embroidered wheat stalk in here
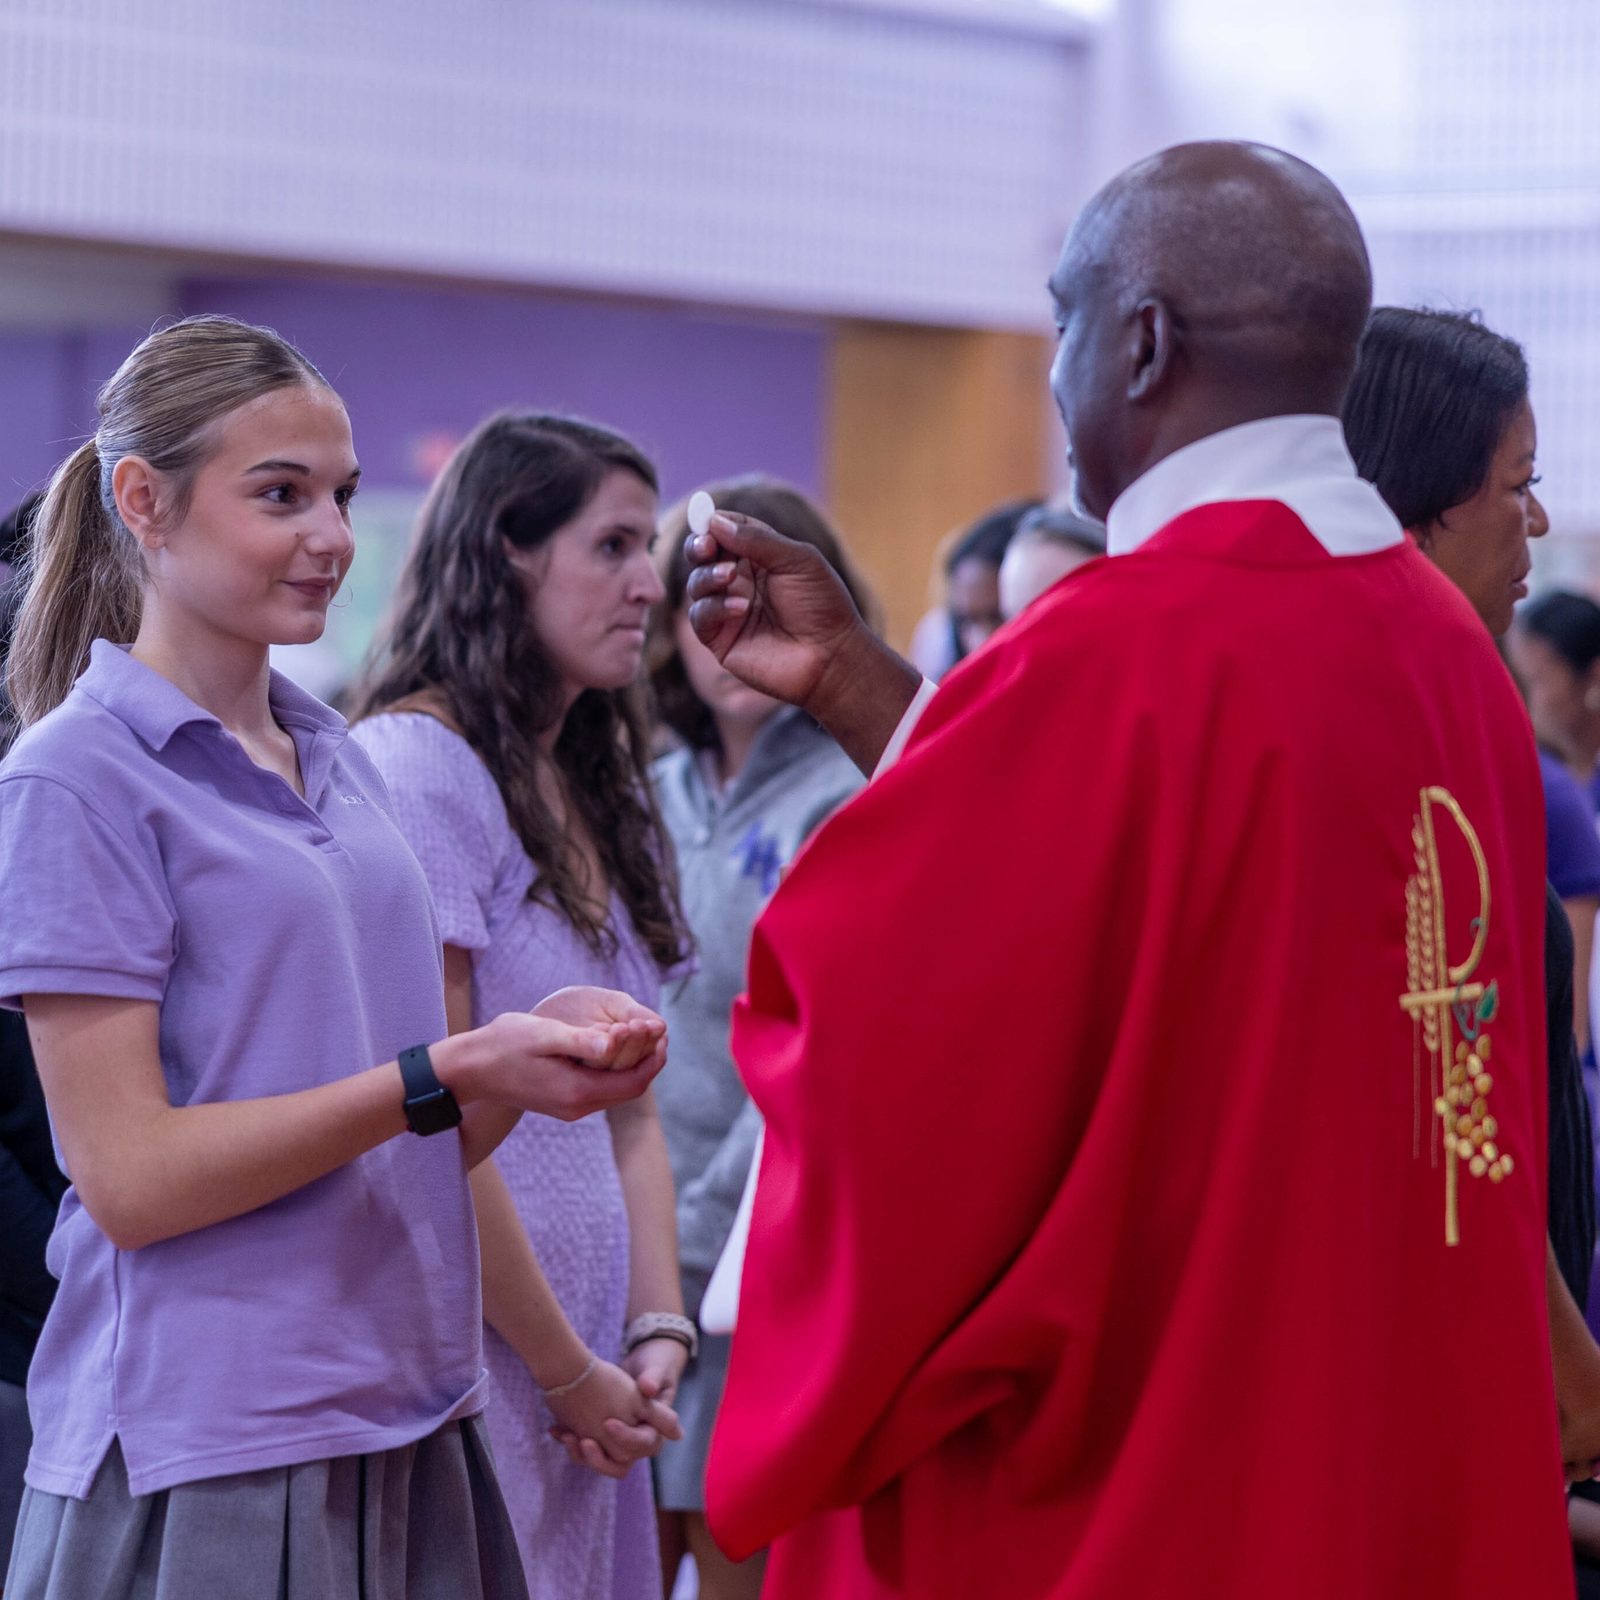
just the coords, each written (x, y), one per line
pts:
(1420, 969)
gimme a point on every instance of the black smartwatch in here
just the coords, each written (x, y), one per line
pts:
(430, 1107)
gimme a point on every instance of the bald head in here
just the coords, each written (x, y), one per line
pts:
(1210, 284)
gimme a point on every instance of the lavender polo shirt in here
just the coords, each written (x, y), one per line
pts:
(288, 943)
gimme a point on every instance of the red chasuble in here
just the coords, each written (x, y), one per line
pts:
(1153, 1200)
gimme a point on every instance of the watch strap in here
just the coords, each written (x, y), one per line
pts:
(661, 1325)
(429, 1106)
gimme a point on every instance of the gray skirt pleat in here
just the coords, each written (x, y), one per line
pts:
(680, 1469)
(422, 1522)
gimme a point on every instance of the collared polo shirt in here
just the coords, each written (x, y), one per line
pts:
(289, 942)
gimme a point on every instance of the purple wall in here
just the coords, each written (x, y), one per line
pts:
(47, 386)
(704, 395)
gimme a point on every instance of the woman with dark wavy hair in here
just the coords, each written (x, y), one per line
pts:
(503, 708)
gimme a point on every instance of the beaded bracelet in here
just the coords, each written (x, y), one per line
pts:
(567, 1388)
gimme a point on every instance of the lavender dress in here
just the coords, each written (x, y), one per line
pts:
(583, 1537)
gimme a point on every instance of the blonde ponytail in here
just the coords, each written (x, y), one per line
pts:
(84, 573)
(84, 582)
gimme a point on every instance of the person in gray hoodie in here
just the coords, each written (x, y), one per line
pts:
(748, 782)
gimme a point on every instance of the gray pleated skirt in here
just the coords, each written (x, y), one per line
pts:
(422, 1522)
(680, 1469)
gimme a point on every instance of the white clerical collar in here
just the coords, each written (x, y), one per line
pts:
(1301, 461)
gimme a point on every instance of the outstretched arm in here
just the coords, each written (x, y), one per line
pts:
(775, 614)
(148, 1170)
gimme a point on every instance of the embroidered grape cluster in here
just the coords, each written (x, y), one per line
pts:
(1464, 1112)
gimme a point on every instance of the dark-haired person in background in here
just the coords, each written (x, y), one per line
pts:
(753, 779)
(14, 531)
(1050, 542)
(1555, 651)
(971, 610)
(1555, 648)
(1438, 419)
(31, 1184)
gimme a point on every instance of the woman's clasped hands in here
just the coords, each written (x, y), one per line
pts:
(606, 1417)
(612, 1419)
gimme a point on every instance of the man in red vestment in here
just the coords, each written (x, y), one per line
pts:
(1152, 1056)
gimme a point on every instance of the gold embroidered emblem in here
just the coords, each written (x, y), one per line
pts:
(1444, 1000)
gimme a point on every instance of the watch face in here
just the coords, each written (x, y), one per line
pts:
(429, 1106)
(433, 1113)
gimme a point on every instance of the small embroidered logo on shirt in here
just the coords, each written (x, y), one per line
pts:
(1442, 1001)
(354, 799)
(762, 858)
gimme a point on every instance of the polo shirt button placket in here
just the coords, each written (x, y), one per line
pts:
(322, 834)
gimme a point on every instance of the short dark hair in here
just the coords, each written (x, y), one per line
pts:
(1431, 397)
(987, 538)
(782, 507)
(1056, 525)
(1569, 623)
